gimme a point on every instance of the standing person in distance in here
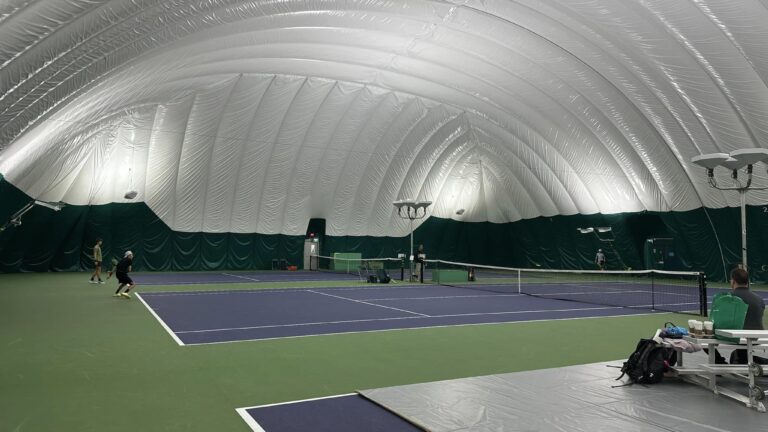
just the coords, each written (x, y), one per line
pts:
(600, 259)
(419, 260)
(121, 272)
(97, 263)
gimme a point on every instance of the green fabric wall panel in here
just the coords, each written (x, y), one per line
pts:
(367, 246)
(693, 235)
(240, 256)
(63, 241)
(186, 251)
(214, 250)
(545, 242)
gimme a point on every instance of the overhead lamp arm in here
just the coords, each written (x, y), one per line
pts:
(15, 219)
(734, 161)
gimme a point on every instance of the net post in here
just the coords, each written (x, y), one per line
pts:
(519, 282)
(653, 290)
(702, 294)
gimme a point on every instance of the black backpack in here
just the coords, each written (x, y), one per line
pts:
(382, 276)
(647, 364)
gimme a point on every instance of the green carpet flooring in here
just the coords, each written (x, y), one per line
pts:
(73, 358)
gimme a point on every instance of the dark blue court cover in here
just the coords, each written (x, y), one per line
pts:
(346, 413)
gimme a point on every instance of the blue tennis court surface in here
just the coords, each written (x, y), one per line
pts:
(343, 413)
(227, 316)
(193, 278)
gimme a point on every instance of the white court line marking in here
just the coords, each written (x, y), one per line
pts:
(445, 297)
(378, 287)
(242, 277)
(369, 304)
(277, 290)
(250, 421)
(162, 323)
(394, 319)
(228, 281)
(423, 328)
(589, 293)
(255, 425)
(510, 295)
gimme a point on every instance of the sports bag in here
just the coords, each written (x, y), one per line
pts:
(671, 331)
(647, 364)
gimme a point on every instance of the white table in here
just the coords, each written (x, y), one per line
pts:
(706, 374)
(753, 340)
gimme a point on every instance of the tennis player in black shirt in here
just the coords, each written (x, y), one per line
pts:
(121, 272)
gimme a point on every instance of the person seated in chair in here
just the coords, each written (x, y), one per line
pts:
(755, 311)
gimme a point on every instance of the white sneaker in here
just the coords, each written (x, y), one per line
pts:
(92, 281)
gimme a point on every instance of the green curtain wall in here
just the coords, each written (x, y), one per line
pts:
(63, 241)
(705, 239)
(541, 242)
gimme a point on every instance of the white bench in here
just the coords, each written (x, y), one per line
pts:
(706, 374)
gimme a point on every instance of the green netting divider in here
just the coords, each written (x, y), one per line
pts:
(449, 276)
(346, 261)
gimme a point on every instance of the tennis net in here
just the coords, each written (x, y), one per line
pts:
(362, 267)
(670, 291)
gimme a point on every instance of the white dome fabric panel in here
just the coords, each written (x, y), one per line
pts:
(251, 116)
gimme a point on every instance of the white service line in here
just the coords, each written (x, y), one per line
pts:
(419, 328)
(162, 323)
(241, 277)
(273, 290)
(392, 319)
(545, 294)
(369, 304)
(303, 324)
(445, 297)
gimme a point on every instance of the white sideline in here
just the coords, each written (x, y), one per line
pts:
(254, 425)
(162, 323)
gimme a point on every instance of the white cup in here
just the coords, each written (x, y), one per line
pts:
(708, 328)
(698, 328)
(691, 326)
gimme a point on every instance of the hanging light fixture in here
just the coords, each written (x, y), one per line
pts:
(131, 193)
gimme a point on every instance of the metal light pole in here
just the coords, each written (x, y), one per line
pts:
(735, 161)
(410, 209)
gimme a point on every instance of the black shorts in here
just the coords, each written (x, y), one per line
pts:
(123, 278)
